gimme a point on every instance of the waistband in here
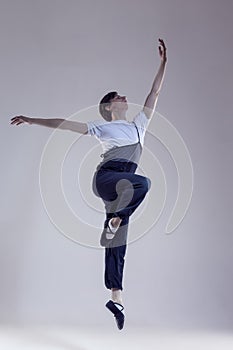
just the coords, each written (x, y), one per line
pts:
(118, 165)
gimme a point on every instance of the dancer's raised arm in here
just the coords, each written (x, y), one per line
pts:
(152, 98)
(52, 123)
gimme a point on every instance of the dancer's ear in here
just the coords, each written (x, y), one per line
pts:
(108, 108)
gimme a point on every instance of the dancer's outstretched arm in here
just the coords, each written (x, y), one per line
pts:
(52, 123)
(152, 98)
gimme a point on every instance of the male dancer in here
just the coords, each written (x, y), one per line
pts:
(115, 181)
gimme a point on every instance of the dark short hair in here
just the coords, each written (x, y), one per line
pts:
(106, 100)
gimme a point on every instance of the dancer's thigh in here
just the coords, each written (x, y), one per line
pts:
(110, 184)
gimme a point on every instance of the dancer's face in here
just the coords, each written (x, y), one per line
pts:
(119, 103)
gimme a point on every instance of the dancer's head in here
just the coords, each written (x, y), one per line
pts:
(110, 103)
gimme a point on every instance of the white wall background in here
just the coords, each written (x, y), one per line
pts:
(58, 57)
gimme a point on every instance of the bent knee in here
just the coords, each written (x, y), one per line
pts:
(148, 183)
(145, 183)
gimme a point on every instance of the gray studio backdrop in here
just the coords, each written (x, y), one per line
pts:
(59, 57)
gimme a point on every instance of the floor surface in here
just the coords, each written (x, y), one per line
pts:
(74, 338)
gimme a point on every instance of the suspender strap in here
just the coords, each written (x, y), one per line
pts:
(137, 132)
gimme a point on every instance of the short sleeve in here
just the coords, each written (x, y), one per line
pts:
(141, 121)
(94, 128)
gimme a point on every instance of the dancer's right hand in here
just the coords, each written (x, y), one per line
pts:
(20, 119)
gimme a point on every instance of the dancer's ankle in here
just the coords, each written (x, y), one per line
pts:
(117, 296)
(116, 221)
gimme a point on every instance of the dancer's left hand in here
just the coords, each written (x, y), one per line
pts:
(162, 50)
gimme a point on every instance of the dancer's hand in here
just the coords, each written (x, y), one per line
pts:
(162, 50)
(20, 119)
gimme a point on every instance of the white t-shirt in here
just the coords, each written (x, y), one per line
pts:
(118, 132)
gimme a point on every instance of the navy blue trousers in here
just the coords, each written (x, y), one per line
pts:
(122, 191)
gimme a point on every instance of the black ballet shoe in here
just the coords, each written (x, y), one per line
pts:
(118, 314)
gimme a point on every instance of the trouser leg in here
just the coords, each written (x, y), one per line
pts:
(122, 193)
(131, 195)
(122, 202)
(114, 258)
(114, 266)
